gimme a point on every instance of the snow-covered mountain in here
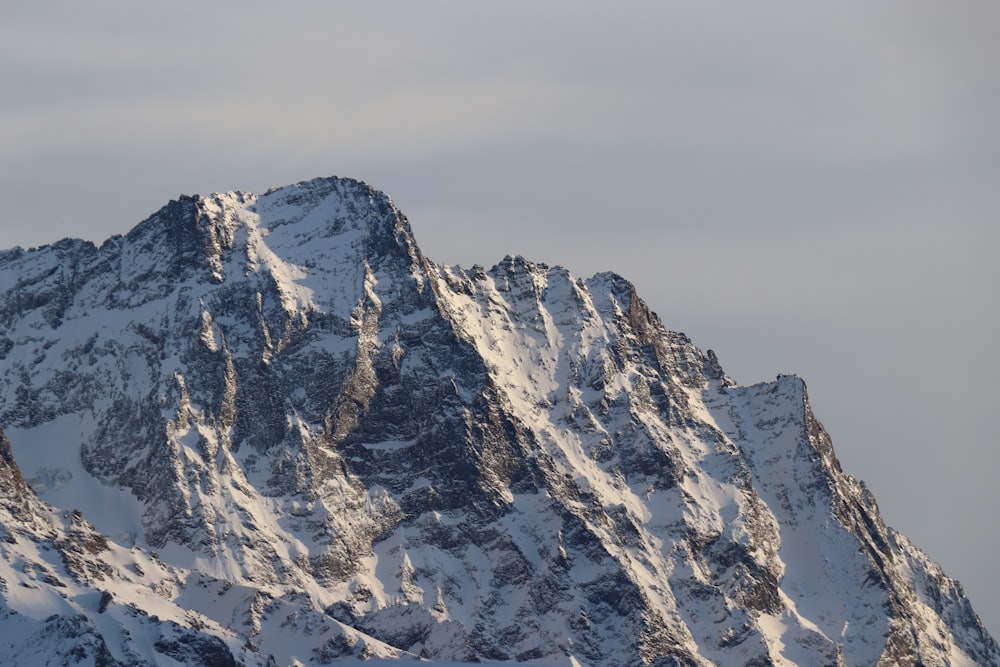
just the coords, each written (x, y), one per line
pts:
(267, 430)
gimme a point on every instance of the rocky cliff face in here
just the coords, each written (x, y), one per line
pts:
(296, 439)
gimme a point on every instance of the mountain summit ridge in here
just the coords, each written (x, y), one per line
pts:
(352, 451)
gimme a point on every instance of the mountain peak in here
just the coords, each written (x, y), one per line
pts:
(298, 439)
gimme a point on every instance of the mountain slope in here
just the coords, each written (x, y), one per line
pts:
(289, 403)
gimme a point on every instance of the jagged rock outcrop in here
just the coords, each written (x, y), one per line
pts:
(344, 442)
(16, 498)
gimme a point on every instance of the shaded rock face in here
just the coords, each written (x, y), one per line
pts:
(324, 435)
(16, 495)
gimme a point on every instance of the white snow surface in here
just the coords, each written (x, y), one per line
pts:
(630, 502)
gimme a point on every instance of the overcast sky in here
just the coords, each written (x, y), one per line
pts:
(808, 188)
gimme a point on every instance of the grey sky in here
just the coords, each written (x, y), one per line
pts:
(803, 187)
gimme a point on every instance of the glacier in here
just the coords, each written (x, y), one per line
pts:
(267, 430)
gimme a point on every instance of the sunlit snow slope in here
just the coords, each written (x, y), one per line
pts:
(270, 431)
